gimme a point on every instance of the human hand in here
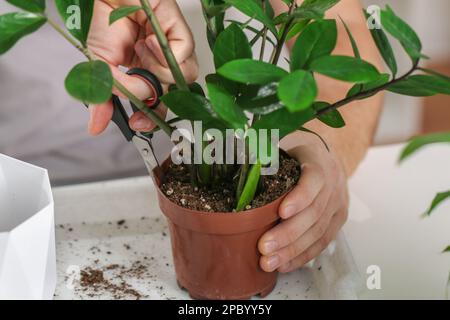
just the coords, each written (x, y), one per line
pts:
(312, 213)
(131, 43)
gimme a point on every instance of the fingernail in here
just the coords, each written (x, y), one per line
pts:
(273, 262)
(289, 211)
(270, 246)
(139, 48)
(141, 124)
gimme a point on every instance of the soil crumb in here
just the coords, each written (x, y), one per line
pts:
(95, 281)
(221, 197)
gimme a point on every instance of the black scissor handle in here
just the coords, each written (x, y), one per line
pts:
(155, 86)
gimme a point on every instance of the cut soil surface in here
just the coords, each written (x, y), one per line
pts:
(221, 198)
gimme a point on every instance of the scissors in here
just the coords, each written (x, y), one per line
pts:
(121, 118)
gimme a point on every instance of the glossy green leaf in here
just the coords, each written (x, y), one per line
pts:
(346, 69)
(400, 30)
(332, 118)
(317, 135)
(319, 5)
(352, 39)
(251, 185)
(385, 48)
(438, 199)
(122, 12)
(36, 6)
(287, 122)
(298, 90)
(90, 82)
(16, 25)
(317, 40)
(297, 28)
(254, 9)
(422, 86)
(194, 107)
(229, 85)
(223, 104)
(232, 44)
(357, 88)
(419, 142)
(77, 15)
(446, 250)
(260, 100)
(252, 71)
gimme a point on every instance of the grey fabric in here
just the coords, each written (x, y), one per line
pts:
(41, 124)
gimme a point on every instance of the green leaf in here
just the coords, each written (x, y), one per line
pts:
(193, 107)
(400, 30)
(252, 71)
(352, 40)
(317, 40)
(320, 5)
(36, 6)
(16, 25)
(77, 15)
(332, 118)
(297, 90)
(224, 105)
(297, 28)
(385, 48)
(440, 197)
(317, 135)
(446, 250)
(357, 88)
(422, 86)
(122, 12)
(90, 82)
(251, 185)
(287, 122)
(229, 85)
(346, 69)
(231, 44)
(260, 99)
(254, 10)
(419, 142)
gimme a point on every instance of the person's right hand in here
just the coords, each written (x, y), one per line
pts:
(130, 42)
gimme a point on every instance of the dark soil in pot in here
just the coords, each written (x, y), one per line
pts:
(221, 197)
(215, 254)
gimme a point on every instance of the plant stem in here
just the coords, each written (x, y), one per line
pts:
(242, 179)
(366, 94)
(282, 40)
(164, 43)
(141, 106)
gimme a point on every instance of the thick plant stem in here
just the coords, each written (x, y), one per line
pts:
(242, 179)
(164, 43)
(141, 106)
(366, 94)
(282, 40)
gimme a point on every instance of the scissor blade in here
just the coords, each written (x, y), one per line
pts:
(145, 149)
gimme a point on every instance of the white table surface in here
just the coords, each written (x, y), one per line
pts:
(391, 233)
(384, 228)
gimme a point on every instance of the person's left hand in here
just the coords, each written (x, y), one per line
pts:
(312, 213)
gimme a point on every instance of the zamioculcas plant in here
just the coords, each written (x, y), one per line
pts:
(414, 146)
(246, 92)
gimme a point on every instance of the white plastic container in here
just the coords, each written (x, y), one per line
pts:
(27, 232)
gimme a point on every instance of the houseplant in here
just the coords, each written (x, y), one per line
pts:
(215, 254)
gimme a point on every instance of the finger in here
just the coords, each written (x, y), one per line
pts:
(288, 231)
(178, 33)
(140, 122)
(316, 249)
(100, 115)
(189, 67)
(312, 180)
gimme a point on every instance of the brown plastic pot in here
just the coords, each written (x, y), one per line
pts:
(216, 254)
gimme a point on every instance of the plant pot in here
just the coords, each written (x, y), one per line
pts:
(216, 254)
